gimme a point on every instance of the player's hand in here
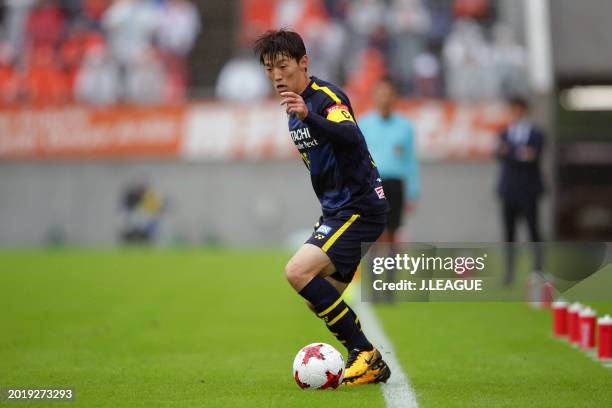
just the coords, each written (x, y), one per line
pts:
(294, 104)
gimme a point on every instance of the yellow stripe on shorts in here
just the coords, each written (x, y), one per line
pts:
(340, 231)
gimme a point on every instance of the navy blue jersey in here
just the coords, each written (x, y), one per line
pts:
(343, 174)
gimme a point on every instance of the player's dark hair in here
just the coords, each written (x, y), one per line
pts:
(277, 43)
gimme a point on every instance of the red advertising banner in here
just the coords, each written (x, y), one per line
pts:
(221, 131)
(81, 132)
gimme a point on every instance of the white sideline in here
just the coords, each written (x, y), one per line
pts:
(397, 391)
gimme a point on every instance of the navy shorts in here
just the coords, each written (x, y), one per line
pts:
(341, 237)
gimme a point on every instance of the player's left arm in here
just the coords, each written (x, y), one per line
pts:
(338, 125)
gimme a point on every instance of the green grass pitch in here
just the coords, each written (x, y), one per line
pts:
(215, 328)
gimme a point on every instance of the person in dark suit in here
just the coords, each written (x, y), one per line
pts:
(520, 183)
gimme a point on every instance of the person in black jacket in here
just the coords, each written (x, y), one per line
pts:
(520, 183)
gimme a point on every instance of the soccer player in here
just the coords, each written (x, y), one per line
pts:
(345, 179)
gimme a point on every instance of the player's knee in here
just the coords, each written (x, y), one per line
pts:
(293, 272)
(297, 274)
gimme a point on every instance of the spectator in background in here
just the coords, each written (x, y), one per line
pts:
(325, 39)
(15, 21)
(365, 26)
(72, 9)
(520, 182)
(92, 12)
(130, 26)
(510, 63)
(470, 74)
(145, 80)
(44, 80)
(336, 9)
(441, 21)
(390, 138)
(9, 81)
(473, 9)
(97, 81)
(72, 50)
(177, 33)
(427, 73)
(257, 16)
(408, 22)
(45, 25)
(242, 80)
(369, 70)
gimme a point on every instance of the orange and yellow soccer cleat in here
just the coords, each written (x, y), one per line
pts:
(365, 367)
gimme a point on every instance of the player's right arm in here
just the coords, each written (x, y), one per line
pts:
(338, 125)
(336, 128)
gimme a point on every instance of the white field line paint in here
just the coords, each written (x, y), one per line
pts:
(397, 391)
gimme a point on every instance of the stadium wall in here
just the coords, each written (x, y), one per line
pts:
(231, 203)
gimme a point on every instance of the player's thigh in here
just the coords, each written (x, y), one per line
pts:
(308, 262)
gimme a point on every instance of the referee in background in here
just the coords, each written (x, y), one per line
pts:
(390, 139)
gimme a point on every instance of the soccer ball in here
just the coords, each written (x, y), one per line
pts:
(318, 366)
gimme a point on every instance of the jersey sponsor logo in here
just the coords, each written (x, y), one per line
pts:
(300, 134)
(339, 113)
(380, 192)
(302, 138)
(324, 229)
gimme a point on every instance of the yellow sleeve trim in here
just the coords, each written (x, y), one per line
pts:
(340, 231)
(328, 91)
(338, 113)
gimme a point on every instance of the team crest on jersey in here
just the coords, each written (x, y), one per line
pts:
(380, 192)
(324, 229)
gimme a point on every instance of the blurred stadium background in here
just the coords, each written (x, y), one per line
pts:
(135, 119)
